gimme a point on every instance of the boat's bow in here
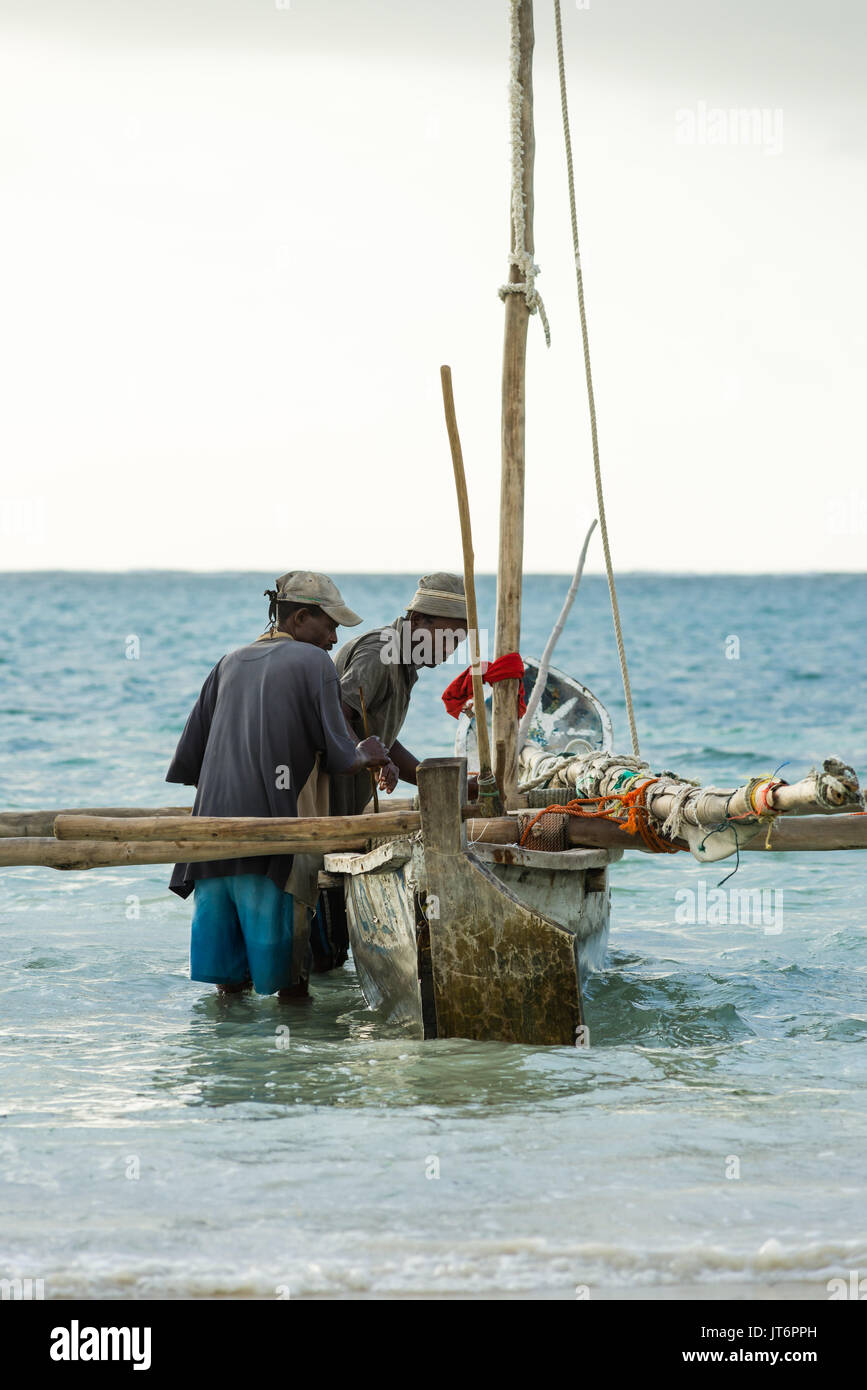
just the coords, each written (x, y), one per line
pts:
(568, 719)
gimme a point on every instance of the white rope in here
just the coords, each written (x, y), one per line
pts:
(596, 774)
(519, 256)
(603, 527)
(545, 663)
(673, 824)
(550, 769)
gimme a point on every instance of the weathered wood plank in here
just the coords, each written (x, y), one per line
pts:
(563, 861)
(500, 971)
(389, 856)
(383, 935)
(42, 822)
(100, 854)
(324, 830)
(795, 833)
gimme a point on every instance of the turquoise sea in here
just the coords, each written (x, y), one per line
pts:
(155, 1142)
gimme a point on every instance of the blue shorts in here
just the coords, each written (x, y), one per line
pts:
(244, 929)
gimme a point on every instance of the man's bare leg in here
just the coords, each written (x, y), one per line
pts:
(299, 991)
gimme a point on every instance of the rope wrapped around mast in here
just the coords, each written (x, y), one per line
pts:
(519, 256)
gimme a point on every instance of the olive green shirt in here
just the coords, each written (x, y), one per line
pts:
(378, 663)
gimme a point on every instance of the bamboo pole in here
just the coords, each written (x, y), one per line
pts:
(795, 798)
(489, 797)
(511, 554)
(831, 788)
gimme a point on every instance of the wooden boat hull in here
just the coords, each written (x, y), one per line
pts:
(485, 941)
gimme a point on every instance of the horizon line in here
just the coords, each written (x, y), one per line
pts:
(479, 574)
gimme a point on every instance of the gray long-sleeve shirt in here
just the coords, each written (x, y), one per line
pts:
(251, 740)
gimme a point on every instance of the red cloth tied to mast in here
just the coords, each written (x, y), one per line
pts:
(506, 668)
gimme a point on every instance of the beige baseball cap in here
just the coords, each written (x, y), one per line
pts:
(306, 586)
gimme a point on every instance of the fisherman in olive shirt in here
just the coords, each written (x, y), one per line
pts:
(266, 728)
(384, 664)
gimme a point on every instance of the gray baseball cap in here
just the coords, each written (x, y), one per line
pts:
(306, 586)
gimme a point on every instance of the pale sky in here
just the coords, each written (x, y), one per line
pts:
(240, 237)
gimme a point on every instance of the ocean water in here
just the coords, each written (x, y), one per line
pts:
(156, 1142)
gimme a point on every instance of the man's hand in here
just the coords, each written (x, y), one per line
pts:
(372, 752)
(388, 778)
(473, 787)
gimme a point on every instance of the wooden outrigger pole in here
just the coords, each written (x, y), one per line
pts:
(511, 552)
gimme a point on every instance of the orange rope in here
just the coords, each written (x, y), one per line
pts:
(636, 821)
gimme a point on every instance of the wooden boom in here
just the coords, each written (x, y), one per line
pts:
(800, 833)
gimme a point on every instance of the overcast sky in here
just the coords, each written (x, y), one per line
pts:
(240, 237)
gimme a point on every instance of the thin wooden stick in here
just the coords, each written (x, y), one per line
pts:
(489, 792)
(367, 735)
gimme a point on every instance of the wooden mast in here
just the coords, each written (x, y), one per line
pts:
(511, 553)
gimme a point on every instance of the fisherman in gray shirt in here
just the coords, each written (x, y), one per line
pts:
(264, 733)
